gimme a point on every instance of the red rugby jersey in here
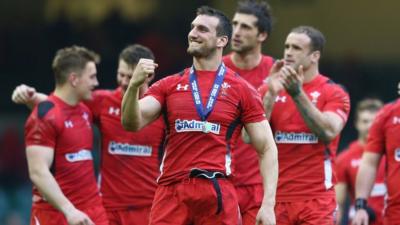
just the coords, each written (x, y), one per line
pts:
(347, 164)
(188, 147)
(247, 170)
(129, 160)
(384, 138)
(305, 162)
(67, 129)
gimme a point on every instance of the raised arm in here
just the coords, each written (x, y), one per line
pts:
(40, 158)
(26, 95)
(275, 85)
(262, 140)
(365, 181)
(326, 125)
(138, 113)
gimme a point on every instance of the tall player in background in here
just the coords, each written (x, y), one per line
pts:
(383, 140)
(347, 164)
(206, 106)
(129, 161)
(307, 112)
(251, 27)
(58, 137)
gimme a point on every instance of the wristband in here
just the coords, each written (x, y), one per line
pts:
(361, 203)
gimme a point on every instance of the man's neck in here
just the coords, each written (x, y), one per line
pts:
(310, 74)
(210, 63)
(246, 61)
(67, 95)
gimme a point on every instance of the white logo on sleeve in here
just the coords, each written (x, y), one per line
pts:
(182, 87)
(68, 124)
(81, 155)
(113, 111)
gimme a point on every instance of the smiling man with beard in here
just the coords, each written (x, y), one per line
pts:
(194, 185)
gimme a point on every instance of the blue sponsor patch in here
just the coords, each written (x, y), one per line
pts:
(196, 126)
(117, 148)
(79, 156)
(295, 138)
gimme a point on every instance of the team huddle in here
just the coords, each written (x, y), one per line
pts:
(234, 139)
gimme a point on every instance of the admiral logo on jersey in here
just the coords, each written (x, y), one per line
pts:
(116, 148)
(79, 156)
(295, 138)
(196, 126)
(397, 154)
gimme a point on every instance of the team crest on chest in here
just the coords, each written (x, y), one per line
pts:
(314, 97)
(224, 88)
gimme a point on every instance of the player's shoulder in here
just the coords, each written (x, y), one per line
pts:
(44, 108)
(388, 109)
(330, 85)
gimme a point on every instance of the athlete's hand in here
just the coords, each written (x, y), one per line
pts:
(266, 216)
(76, 217)
(361, 217)
(144, 69)
(293, 80)
(274, 80)
(23, 94)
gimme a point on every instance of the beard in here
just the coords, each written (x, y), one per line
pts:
(242, 49)
(201, 52)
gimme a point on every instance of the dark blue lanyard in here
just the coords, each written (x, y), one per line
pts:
(212, 99)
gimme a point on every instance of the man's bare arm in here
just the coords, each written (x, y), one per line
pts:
(40, 159)
(262, 139)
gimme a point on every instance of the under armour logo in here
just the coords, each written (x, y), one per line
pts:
(113, 110)
(68, 124)
(280, 99)
(314, 95)
(184, 87)
(396, 120)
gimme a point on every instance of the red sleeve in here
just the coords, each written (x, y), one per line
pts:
(376, 134)
(341, 162)
(159, 89)
(40, 131)
(252, 106)
(338, 102)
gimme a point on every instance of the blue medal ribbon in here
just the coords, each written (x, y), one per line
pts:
(212, 99)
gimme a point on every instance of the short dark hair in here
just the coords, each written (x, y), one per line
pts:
(261, 10)
(316, 36)
(72, 59)
(224, 27)
(133, 53)
(368, 104)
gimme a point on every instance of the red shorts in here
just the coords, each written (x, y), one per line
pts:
(194, 201)
(54, 217)
(138, 216)
(250, 199)
(319, 211)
